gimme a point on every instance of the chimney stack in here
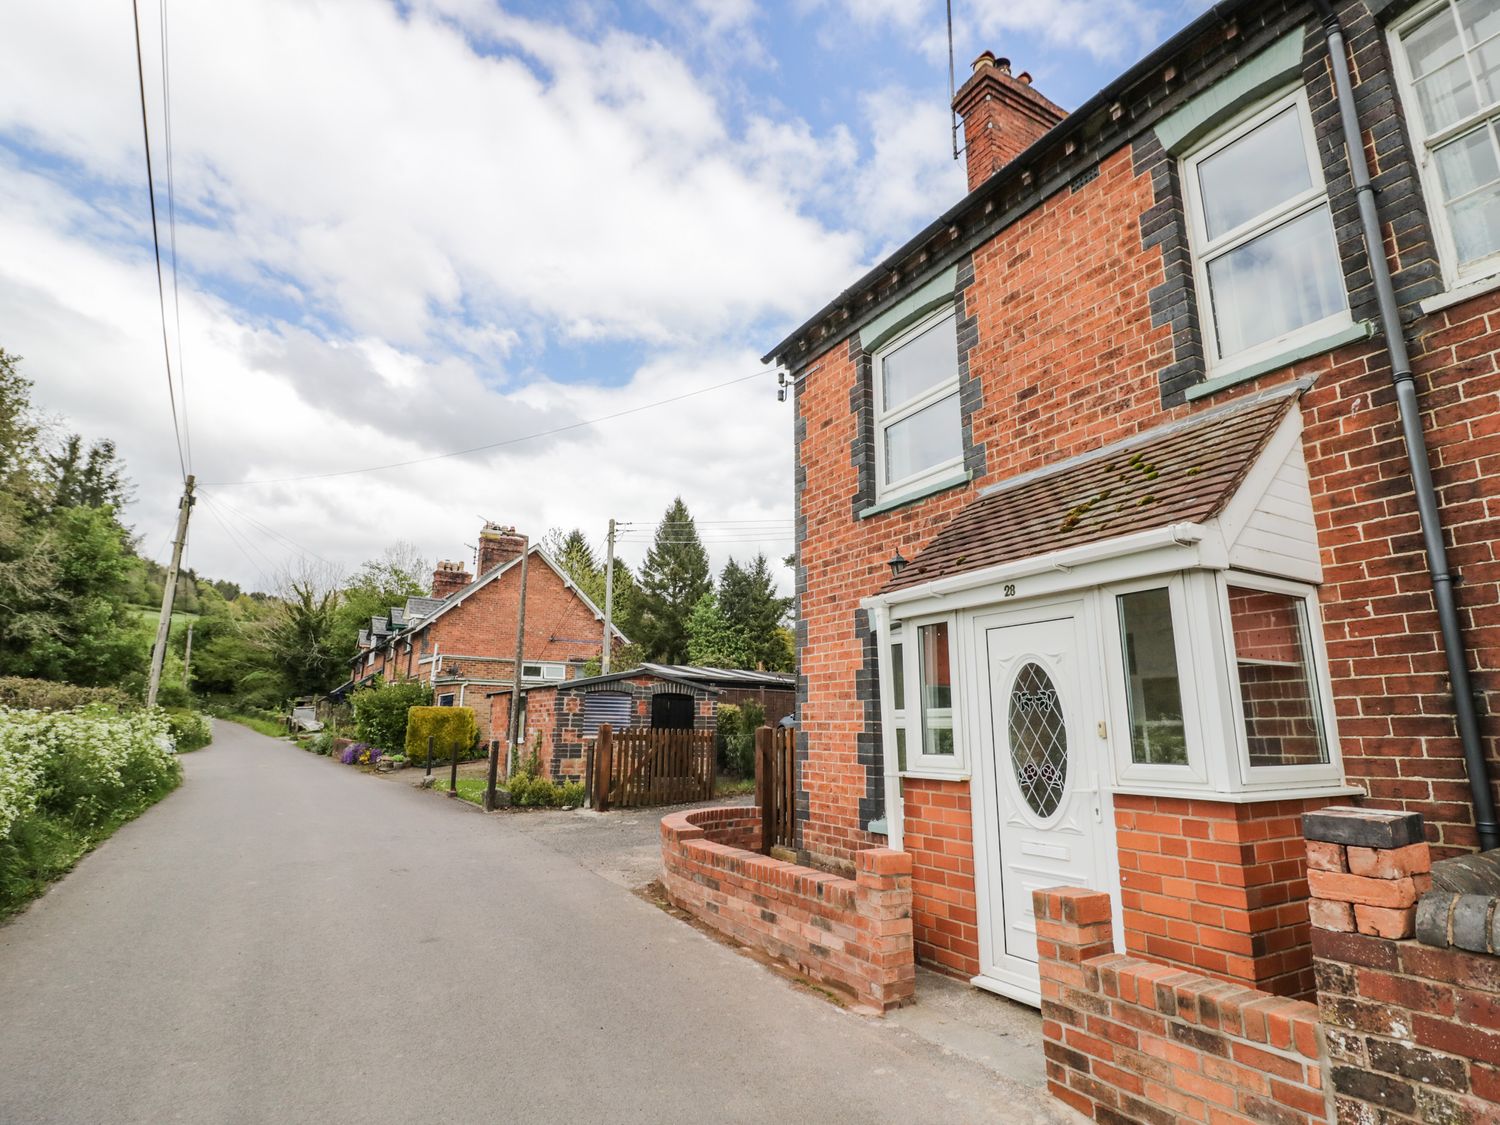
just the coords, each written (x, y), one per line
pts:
(1003, 115)
(448, 577)
(497, 546)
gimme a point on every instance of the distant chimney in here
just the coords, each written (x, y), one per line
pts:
(497, 546)
(1003, 115)
(448, 577)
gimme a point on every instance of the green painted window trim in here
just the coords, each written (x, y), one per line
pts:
(937, 292)
(921, 494)
(1276, 66)
(1359, 330)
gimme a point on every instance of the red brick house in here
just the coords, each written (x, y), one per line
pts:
(1110, 557)
(462, 640)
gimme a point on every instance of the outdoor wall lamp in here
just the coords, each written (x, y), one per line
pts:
(896, 563)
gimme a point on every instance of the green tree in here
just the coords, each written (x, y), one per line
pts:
(300, 633)
(381, 583)
(86, 478)
(751, 606)
(674, 577)
(713, 640)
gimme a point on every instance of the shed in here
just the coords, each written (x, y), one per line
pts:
(560, 720)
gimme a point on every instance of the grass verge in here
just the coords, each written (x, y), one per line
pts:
(470, 789)
(42, 849)
(734, 786)
(263, 726)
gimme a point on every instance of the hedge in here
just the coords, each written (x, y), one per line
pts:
(453, 731)
(22, 694)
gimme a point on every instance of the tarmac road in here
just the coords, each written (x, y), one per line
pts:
(286, 940)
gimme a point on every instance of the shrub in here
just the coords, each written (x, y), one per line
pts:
(452, 729)
(190, 730)
(380, 712)
(67, 779)
(24, 694)
(736, 727)
(528, 791)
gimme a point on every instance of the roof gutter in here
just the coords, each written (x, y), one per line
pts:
(1167, 536)
(1454, 648)
(1219, 13)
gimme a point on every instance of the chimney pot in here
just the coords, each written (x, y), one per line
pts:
(1003, 115)
(448, 578)
(498, 545)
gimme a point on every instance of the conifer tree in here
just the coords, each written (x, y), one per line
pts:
(673, 578)
(750, 605)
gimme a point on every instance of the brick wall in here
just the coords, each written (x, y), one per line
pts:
(945, 910)
(1217, 887)
(854, 934)
(1412, 1022)
(1128, 1040)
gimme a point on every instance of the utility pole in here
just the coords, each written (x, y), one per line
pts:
(187, 660)
(515, 691)
(164, 625)
(609, 600)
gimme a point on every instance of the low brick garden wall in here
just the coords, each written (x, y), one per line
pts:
(854, 934)
(1129, 1040)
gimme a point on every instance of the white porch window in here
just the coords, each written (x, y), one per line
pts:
(918, 659)
(1448, 63)
(1219, 682)
(1264, 252)
(544, 671)
(918, 432)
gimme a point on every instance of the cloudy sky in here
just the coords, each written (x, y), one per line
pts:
(410, 227)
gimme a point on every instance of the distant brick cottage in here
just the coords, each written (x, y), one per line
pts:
(462, 640)
(1109, 560)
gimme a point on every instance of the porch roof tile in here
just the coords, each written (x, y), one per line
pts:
(1184, 472)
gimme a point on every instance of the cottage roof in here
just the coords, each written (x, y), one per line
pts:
(418, 607)
(1046, 167)
(1184, 472)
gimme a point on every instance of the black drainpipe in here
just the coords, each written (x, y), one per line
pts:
(1416, 443)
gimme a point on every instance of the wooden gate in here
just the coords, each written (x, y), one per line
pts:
(776, 786)
(641, 766)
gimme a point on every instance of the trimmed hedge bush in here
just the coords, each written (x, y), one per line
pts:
(453, 731)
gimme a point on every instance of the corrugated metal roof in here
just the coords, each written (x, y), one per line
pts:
(724, 676)
(1183, 473)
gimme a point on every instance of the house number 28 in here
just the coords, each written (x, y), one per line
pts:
(1008, 590)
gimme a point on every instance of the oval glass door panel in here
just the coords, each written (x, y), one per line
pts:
(1038, 740)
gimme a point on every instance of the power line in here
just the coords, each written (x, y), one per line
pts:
(493, 444)
(161, 296)
(280, 538)
(166, 109)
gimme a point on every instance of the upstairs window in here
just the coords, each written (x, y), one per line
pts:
(544, 671)
(918, 432)
(1448, 58)
(1264, 252)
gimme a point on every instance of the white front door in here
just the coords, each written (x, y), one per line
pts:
(1042, 804)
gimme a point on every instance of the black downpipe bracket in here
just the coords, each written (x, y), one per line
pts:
(1416, 442)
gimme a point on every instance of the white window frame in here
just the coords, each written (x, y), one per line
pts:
(1204, 250)
(1252, 778)
(1454, 274)
(1186, 634)
(907, 714)
(546, 670)
(887, 417)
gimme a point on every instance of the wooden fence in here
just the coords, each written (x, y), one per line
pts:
(776, 786)
(641, 766)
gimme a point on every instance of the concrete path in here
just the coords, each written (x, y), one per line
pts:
(287, 940)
